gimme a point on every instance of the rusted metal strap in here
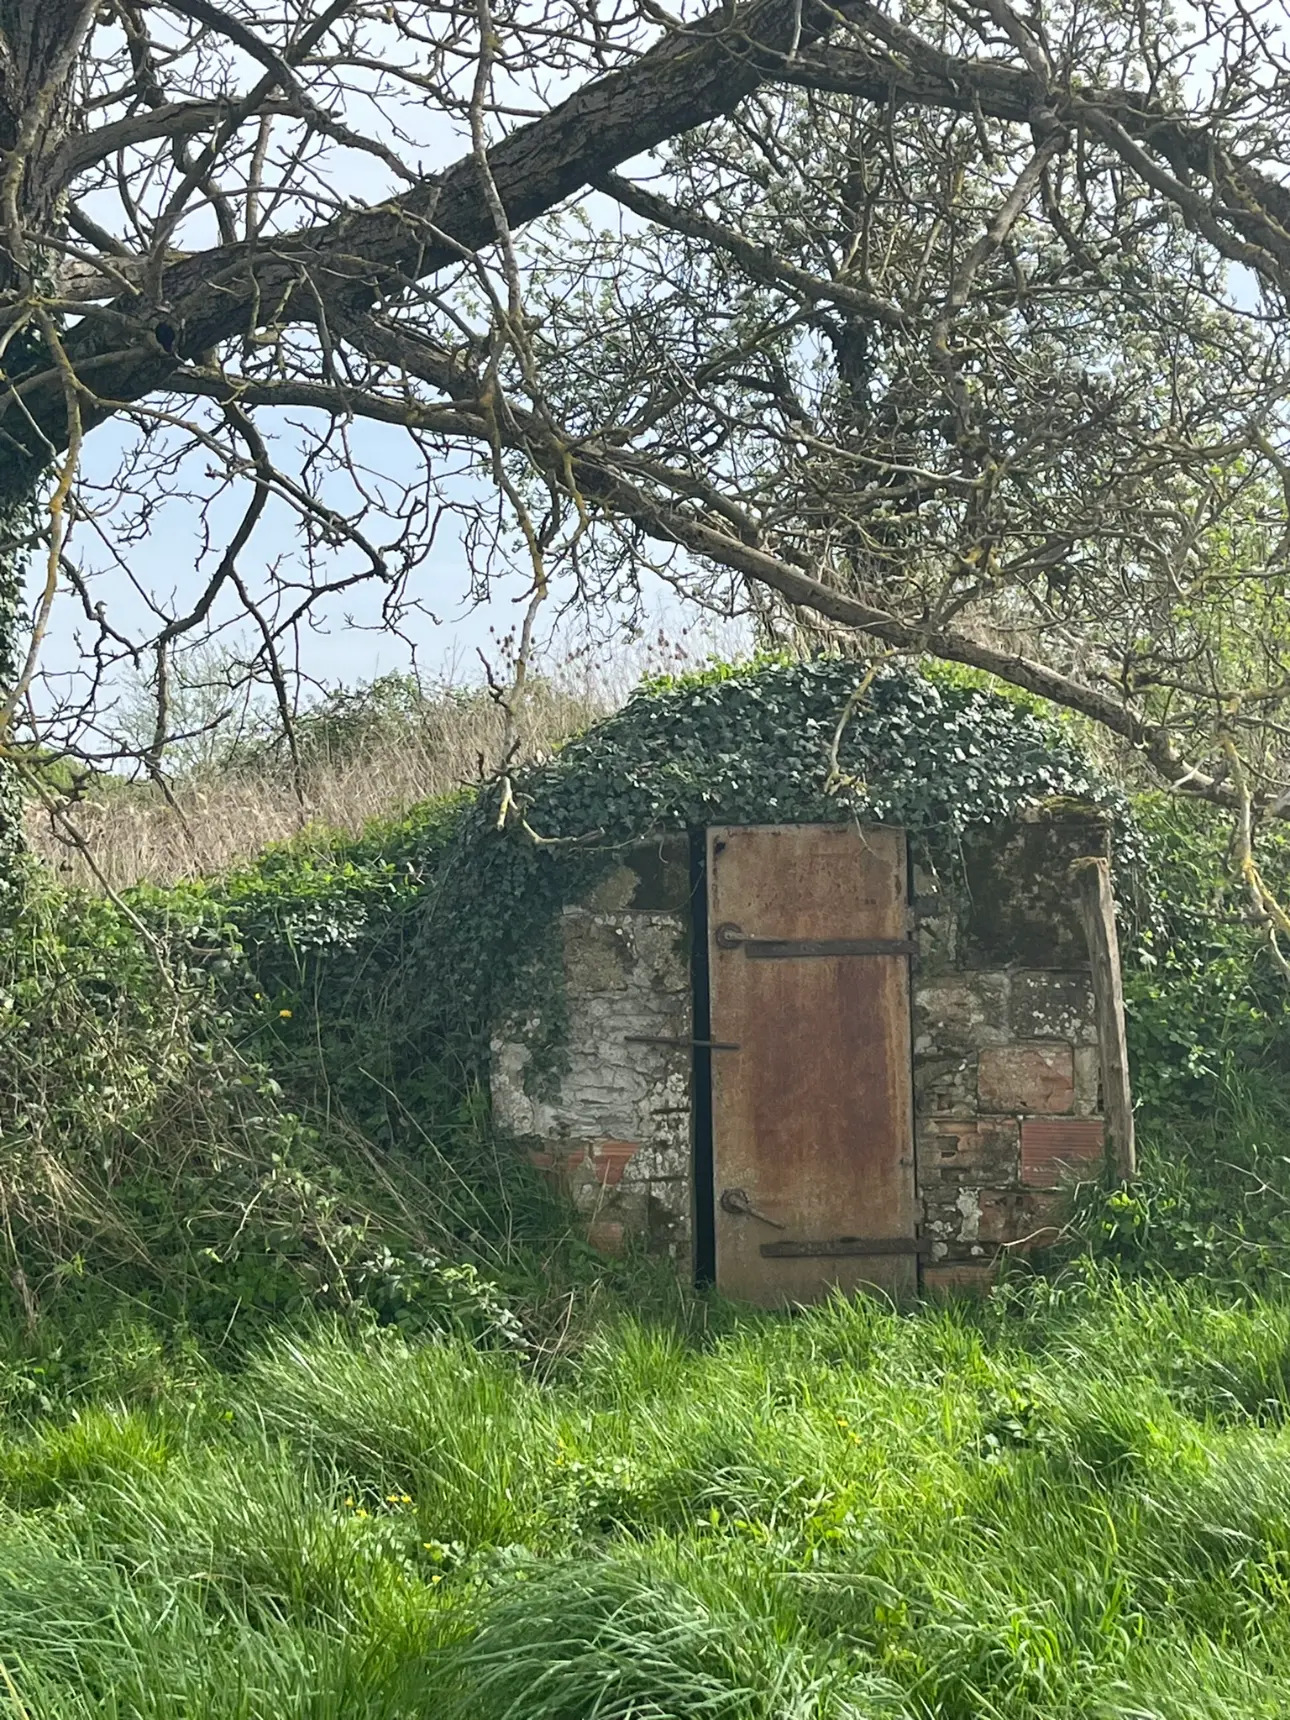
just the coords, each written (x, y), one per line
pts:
(846, 1245)
(729, 936)
(677, 1044)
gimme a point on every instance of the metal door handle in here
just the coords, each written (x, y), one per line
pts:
(736, 1200)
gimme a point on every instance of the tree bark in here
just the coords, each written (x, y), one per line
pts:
(687, 79)
(39, 40)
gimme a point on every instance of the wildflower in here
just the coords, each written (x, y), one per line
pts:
(284, 1015)
(349, 1500)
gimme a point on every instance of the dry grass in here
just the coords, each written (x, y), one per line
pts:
(217, 818)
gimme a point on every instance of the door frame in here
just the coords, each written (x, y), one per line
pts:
(703, 1193)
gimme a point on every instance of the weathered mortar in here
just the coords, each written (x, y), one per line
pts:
(618, 1131)
(1004, 1045)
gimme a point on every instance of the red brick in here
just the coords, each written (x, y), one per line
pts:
(1002, 1216)
(609, 1160)
(1033, 1078)
(1046, 1212)
(1056, 1151)
(971, 1148)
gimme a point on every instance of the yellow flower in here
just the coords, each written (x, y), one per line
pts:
(284, 1015)
(349, 1500)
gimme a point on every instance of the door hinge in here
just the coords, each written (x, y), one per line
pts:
(845, 1245)
(729, 936)
(736, 1200)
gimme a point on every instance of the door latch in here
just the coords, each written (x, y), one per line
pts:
(736, 1200)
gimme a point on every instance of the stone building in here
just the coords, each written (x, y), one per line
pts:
(796, 1056)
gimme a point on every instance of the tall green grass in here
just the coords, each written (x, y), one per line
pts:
(1073, 1501)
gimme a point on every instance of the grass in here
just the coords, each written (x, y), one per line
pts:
(1073, 1501)
(1070, 1503)
(218, 813)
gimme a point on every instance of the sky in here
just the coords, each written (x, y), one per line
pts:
(446, 628)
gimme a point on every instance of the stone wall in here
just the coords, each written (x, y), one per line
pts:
(1004, 1044)
(1006, 1073)
(617, 1131)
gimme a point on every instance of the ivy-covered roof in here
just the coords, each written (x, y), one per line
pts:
(768, 743)
(755, 745)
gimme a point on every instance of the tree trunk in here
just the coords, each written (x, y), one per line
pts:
(39, 43)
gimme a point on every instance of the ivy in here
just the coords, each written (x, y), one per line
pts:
(338, 995)
(369, 972)
(16, 525)
(730, 746)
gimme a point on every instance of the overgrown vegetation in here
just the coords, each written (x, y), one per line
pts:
(356, 754)
(310, 1405)
(1209, 1031)
(1071, 1502)
(263, 1089)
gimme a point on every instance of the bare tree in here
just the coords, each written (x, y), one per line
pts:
(957, 328)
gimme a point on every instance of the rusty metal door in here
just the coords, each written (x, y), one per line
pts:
(808, 929)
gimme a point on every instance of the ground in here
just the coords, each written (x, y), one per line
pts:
(1073, 1500)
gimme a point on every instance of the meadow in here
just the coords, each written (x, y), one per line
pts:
(1073, 1500)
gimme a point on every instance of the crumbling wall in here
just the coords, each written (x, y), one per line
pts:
(1004, 1046)
(616, 1128)
(1006, 1072)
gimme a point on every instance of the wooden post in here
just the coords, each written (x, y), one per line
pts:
(1097, 909)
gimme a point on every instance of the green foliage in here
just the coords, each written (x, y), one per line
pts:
(150, 1148)
(1209, 1041)
(1204, 999)
(268, 1089)
(288, 1027)
(731, 745)
(1070, 1502)
(342, 724)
